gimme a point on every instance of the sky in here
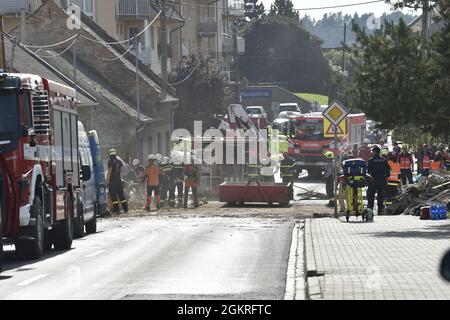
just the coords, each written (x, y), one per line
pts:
(377, 8)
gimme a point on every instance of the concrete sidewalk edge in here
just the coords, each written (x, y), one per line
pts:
(312, 285)
(295, 279)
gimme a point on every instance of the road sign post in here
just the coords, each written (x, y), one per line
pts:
(335, 113)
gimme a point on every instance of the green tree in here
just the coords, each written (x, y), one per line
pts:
(283, 8)
(201, 89)
(391, 82)
(279, 50)
(253, 10)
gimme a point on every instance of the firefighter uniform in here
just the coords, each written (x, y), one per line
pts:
(393, 183)
(287, 168)
(379, 169)
(405, 161)
(115, 186)
(192, 177)
(427, 157)
(178, 179)
(253, 172)
(165, 181)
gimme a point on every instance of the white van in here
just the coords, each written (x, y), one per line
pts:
(87, 197)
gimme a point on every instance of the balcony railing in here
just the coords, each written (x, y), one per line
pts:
(16, 6)
(133, 8)
(145, 55)
(228, 46)
(234, 8)
(207, 27)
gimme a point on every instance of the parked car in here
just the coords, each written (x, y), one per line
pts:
(90, 199)
(291, 106)
(282, 121)
(256, 111)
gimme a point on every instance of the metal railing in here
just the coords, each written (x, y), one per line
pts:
(16, 6)
(234, 8)
(145, 55)
(207, 26)
(133, 8)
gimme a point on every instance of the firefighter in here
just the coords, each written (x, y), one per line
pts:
(165, 180)
(379, 169)
(393, 184)
(342, 188)
(439, 159)
(178, 177)
(287, 168)
(405, 160)
(385, 153)
(191, 181)
(114, 183)
(364, 151)
(329, 175)
(253, 171)
(152, 174)
(267, 172)
(138, 169)
(425, 156)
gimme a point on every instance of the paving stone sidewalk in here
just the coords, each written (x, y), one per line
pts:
(395, 257)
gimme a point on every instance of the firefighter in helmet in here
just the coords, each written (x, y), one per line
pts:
(114, 183)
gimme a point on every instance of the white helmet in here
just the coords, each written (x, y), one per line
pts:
(151, 156)
(366, 141)
(135, 162)
(158, 157)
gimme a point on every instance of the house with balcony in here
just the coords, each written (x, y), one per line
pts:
(136, 122)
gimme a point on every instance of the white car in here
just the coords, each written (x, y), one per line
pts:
(282, 121)
(256, 112)
(291, 106)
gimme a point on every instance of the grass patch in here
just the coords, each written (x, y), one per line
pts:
(312, 97)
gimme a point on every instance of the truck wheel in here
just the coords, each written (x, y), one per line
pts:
(63, 233)
(33, 248)
(48, 240)
(91, 226)
(79, 224)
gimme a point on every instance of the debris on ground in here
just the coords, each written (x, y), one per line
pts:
(310, 195)
(432, 189)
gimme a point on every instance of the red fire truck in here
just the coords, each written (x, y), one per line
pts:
(39, 171)
(307, 144)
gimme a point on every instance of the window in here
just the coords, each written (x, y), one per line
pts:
(26, 109)
(152, 36)
(159, 143)
(132, 32)
(9, 122)
(150, 144)
(87, 6)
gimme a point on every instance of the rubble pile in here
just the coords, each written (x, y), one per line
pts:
(429, 190)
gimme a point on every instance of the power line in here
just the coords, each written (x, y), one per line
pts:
(58, 54)
(298, 9)
(127, 40)
(119, 57)
(189, 75)
(50, 45)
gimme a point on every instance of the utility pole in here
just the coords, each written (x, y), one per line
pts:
(2, 46)
(237, 76)
(426, 20)
(344, 61)
(138, 98)
(75, 66)
(163, 48)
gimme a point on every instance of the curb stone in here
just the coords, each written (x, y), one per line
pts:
(313, 289)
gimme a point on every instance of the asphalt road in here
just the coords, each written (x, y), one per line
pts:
(213, 252)
(161, 258)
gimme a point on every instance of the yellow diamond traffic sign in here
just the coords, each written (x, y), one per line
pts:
(335, 112)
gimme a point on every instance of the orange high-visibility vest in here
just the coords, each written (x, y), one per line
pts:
(405, 161)
(395, 171)
(426, 162)
(436, 165)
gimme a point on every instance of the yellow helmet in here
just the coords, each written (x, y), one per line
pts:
(329, 155)
(113, 152)
(384, 152)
